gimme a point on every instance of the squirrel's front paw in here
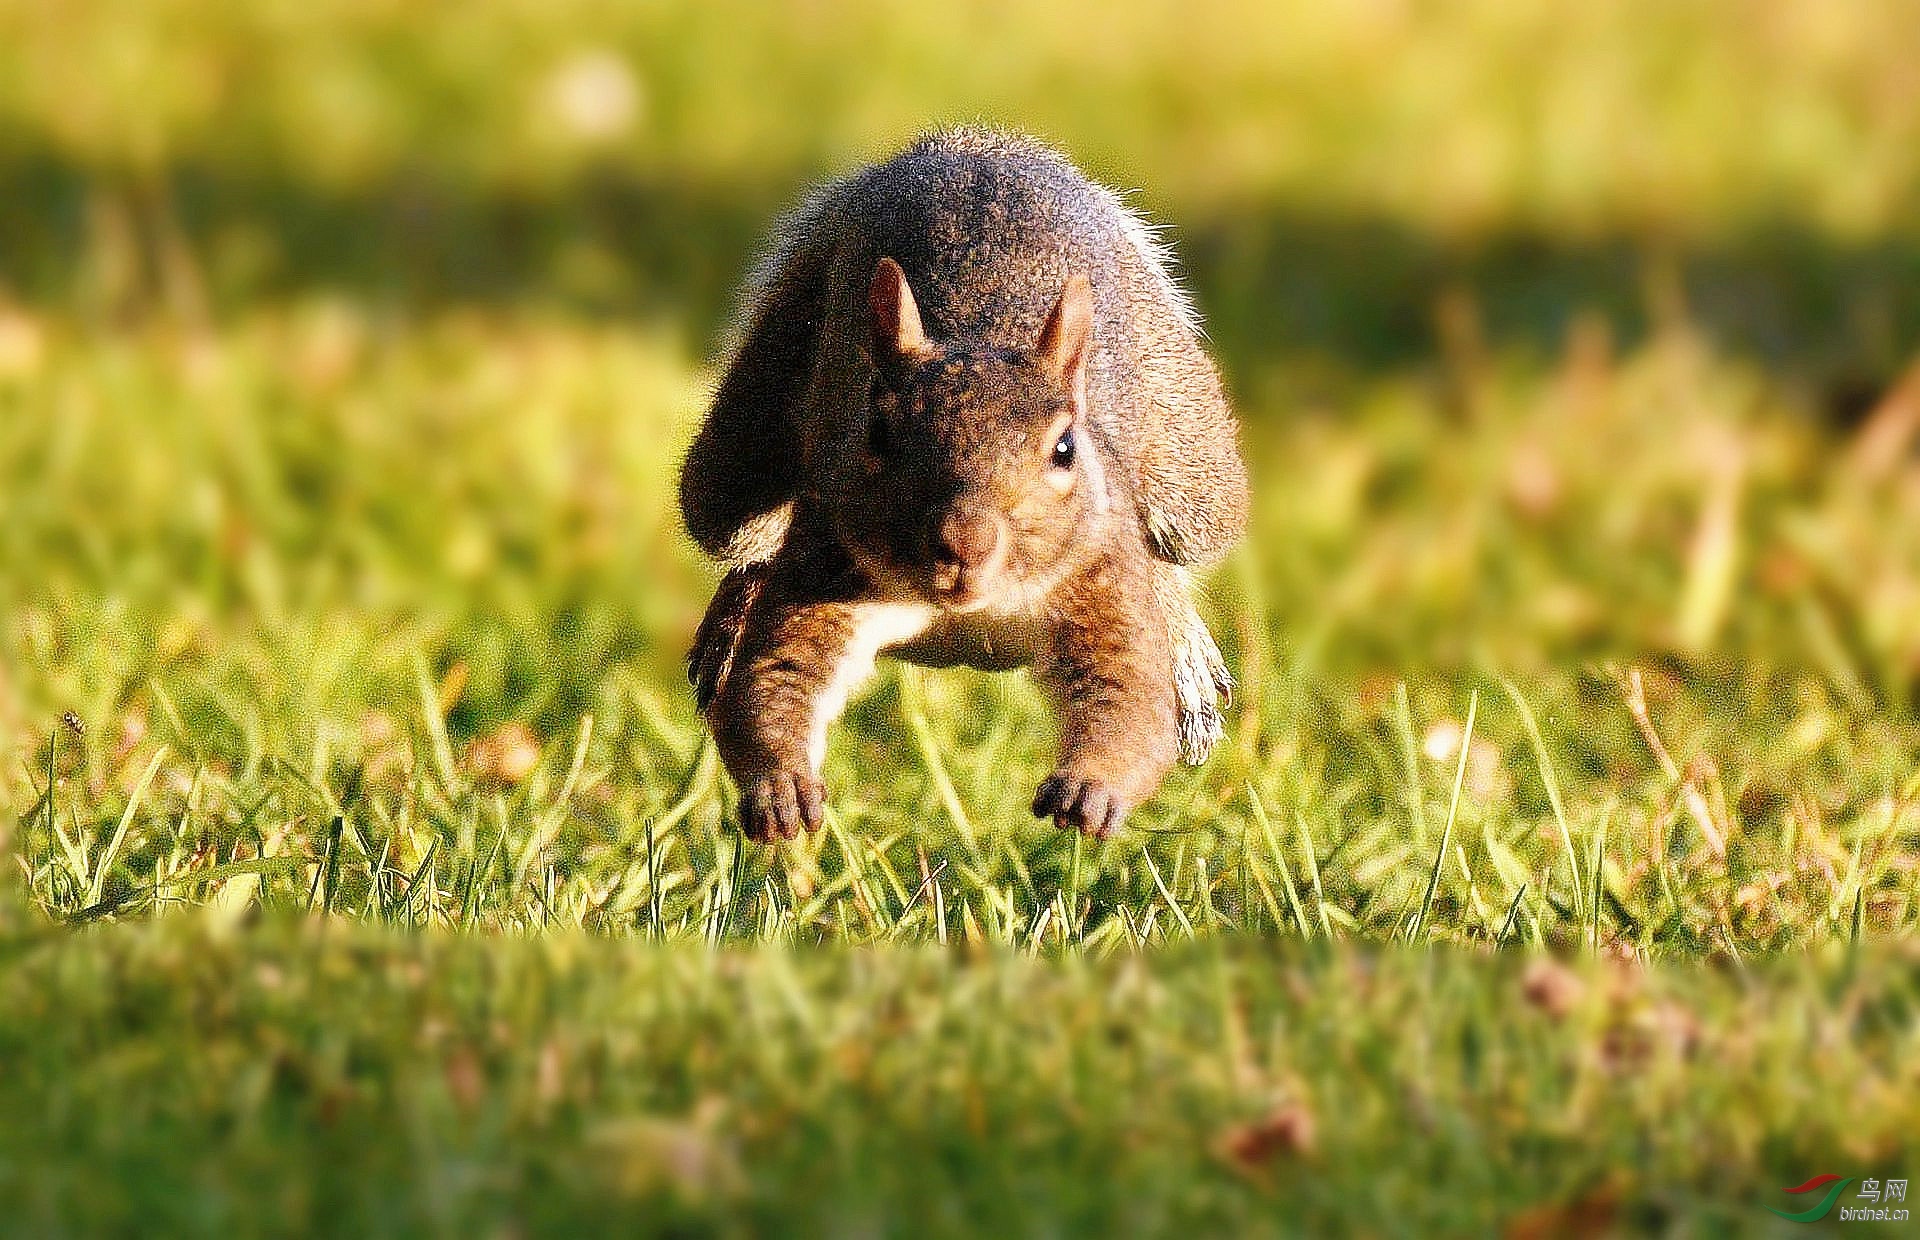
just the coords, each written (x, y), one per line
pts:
(781, 805)
(1078, 803)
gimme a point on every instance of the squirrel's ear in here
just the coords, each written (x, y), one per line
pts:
(1063, 341)
(896, 319)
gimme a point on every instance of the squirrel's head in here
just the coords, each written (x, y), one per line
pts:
(977, 478)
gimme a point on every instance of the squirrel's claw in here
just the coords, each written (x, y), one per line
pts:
(1077, 803)
(781, 805)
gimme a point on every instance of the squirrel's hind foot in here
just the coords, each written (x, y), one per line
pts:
(1202, 686)
(718, 639)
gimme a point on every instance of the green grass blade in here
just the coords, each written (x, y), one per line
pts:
(1453, 812)
(104, 863)
(1279, 860)
(1173, 905)
(1513, 914)
(1551, 782)
(1410, 750)
(1311, 852)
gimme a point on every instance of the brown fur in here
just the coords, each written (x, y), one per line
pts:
(882, 467)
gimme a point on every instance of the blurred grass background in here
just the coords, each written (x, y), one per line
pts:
(1325, 169)
(347, 351)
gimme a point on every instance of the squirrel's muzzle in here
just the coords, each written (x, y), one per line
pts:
(965, 548)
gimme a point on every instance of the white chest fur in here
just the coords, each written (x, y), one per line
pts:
(923, 634)
(876, 627)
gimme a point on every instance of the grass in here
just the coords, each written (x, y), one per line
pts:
(417, 634)
(363, 867)
(333, 1078)
(1474, 115)
(404, 655)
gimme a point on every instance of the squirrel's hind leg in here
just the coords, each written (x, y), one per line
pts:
(1202, 685)
(717, 642)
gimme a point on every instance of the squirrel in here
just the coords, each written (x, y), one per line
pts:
(968, 421)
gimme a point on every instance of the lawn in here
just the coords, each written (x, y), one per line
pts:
(364, 867)
(310, 1076)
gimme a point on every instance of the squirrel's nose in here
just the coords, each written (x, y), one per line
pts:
(967, 538)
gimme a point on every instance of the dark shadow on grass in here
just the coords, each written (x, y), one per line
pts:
(1356, 292)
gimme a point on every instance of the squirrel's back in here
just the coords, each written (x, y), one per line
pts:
(988, 227)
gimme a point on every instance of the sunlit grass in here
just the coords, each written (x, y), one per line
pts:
(1685, 119)
(365, 869)
(323, 1077)
(393, 623)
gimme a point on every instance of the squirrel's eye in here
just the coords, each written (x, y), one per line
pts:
(1062, 456)
(878, 441)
